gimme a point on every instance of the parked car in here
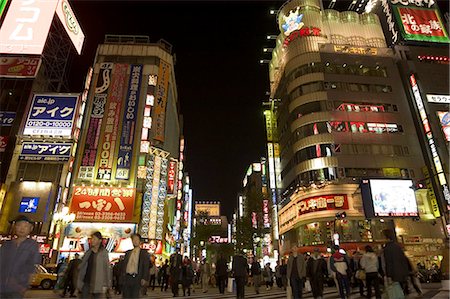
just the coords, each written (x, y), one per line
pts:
(42, 278)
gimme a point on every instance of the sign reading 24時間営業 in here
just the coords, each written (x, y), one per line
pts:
(51, 115)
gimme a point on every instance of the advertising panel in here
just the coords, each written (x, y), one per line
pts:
(171, 177)
(444, 118)
(7, 118)
(420, 24)
(51, 115)
(162, 90)
(389, 198)
(85, 230)
(129, 123)
(70, 23)
(110, 128)
(103, 203)
(98, 97)
(19, 67)
(438, 98)
(322, 203)
(39, 151)
(28, 205)
(3, 143)
(26, 26)
(266, 217)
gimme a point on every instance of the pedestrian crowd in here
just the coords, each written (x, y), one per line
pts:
(136, 273)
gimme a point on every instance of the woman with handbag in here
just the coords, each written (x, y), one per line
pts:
(369, 263)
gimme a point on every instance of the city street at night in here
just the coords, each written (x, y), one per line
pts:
(285, 148)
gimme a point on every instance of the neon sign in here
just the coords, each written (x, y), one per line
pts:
(306, 31)
(292, 22)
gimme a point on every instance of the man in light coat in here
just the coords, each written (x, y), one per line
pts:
(296, 272)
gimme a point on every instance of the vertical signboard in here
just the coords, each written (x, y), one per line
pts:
(98, 98)
(162, 90)
(26, 26)
(51, 115)
(171, 177)
(70, 23)
(129, 124)
(110, 127)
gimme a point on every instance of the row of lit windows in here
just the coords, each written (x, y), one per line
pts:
(342, 86)
(341, 69)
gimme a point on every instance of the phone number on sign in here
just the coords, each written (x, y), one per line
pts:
(117, 216)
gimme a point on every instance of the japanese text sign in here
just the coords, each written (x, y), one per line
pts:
(103, 204)
(110, 128)
(7, 118)
(37, 151)
(26, 26)
(51, 115)
(266, 217)
(171, 175)
(69, 21)
(161, 100)
(321, 203)
(421, 24)
(129, 123)
(19, 67)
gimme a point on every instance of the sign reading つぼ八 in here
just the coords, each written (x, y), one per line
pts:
(51, 115)
(103, 203)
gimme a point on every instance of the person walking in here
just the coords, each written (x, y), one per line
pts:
(61, 274)
(205, 270)
(135, 270)
(278, 275)
(117, 276)
(187, 276)
(176, 263)
(239, 271)
(413, 279)
(369, 263)
(296, 272)
(340, 265)
(152, 272)
(283, 272)
(165, 270)
(18, 258)
(70, 281)
(94, 277)
(359, 273)
(395, 261)
(268, 276)
(221, 273)
(316, 270)
(255, 273)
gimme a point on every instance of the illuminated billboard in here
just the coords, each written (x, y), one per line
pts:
(70, 23)
(420, 24)
(42, 151)
(51, 115)
(389, 198)
(28, 205)
(444, 118)
(19, 67)
(26, 26)
(162, 94)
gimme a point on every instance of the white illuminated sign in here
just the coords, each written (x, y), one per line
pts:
(270, 151)
(390, 20)
(428, 3)
(70, 23)
(292, 22)
(437, 98)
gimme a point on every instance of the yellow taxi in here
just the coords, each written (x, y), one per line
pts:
(42, 278)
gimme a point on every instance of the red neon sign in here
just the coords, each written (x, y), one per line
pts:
(305, 31)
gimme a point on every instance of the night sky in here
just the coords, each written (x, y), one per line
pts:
(221, 83)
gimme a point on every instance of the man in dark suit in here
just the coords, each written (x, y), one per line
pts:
(296, 272)
(240, 272)
(176, 263)
(135, 269)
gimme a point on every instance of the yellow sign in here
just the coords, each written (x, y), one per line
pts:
(431, 196)
(355, 50)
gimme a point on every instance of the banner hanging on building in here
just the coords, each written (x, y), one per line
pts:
(51, 115)
(7, 118)
(98, 97)
(40, 151)
(129, 124)
(162, 90)
(110, 125)
(19, 67)
(171, 177)
(420, 24)
(108, 204)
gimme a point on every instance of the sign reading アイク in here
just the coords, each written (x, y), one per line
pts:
(19, 67)
(436, 98)
(51, 115)
(26, 26)
(129, 124)
(103, 82)
(38, 151)
(110, 126)
(162, 91)
(103, 203)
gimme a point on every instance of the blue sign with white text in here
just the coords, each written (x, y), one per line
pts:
(7, 118)
(51, 115)
(29, 205)
(38, 151)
